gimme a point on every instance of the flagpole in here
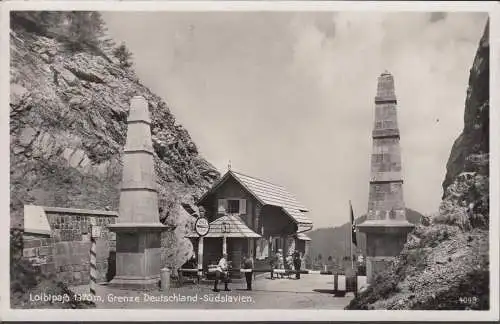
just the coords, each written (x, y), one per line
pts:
(352, 261)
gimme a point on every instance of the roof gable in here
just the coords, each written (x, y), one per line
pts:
(269, 193)
(266, 193)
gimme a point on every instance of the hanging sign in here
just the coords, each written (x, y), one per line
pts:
(202, 226)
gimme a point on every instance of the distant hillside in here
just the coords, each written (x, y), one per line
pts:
(334, 241)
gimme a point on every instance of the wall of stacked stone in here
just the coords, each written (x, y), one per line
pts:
(66, 250)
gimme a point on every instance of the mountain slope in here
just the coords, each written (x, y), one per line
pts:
(68, 129)
(335, 241)
(69, 104)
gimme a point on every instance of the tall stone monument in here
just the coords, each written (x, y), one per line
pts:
(386, 226)
(138, 229)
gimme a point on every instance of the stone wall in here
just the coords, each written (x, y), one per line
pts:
(63, 247)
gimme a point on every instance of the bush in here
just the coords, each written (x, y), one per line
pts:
(415, 258)
(471, 293)
(434, 237)
(384, 285)
(123, 55)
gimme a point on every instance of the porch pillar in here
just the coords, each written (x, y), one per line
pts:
(224, 245)
(200, 256)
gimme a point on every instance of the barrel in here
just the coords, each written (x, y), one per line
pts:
(165, 279)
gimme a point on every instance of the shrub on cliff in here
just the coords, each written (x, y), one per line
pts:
(123, 55)
(384, 285)
(471, 293)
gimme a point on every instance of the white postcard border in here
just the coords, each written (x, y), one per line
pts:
(255, 315)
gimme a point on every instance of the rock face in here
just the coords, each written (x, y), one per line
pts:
(445, 263)
(68, 111)
(466, 185)
(471, 149)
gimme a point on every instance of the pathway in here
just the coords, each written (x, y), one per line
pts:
(310, 292)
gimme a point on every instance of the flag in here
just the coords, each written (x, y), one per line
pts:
(353, 226)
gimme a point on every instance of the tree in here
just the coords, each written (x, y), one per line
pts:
(84, 28)
(320, 257)
(330, 258)
(123, 55)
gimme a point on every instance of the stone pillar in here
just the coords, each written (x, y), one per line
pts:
(386, 226)
(138, 228)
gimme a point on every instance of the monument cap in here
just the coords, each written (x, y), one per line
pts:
(139, 110)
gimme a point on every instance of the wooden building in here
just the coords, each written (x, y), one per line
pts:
(249, 215)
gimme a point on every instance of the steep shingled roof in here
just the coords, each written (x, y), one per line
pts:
(271, 194)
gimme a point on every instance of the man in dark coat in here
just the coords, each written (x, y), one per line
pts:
(248, 264)
(272, 263)
(296, 263)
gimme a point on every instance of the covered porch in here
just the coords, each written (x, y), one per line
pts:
(227, 234)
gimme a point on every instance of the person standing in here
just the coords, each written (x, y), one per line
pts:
(280, 261)
(222, 273)
(297, 263)
(248, 264)
(272, 263)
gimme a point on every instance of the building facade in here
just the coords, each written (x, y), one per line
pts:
(249, 215)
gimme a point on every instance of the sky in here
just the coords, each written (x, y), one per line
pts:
(289, 96)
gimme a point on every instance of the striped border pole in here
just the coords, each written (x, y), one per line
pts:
(93, 258)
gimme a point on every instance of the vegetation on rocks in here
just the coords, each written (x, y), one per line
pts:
(445, 262)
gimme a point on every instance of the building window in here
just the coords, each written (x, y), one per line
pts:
(378, 158)
(233, 206)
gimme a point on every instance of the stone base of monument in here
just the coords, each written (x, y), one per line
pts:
(138, 255)
(384, 241)
(128, 283)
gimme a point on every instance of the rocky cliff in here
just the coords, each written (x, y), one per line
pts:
(68, 109)
(445, 263)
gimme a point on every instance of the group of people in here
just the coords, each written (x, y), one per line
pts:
(222, 272)
(292, 262)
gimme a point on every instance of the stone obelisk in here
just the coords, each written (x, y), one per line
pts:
(138, 229)
(386, 226)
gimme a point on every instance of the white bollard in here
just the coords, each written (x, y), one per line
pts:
(165, 279)
(341, 283)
